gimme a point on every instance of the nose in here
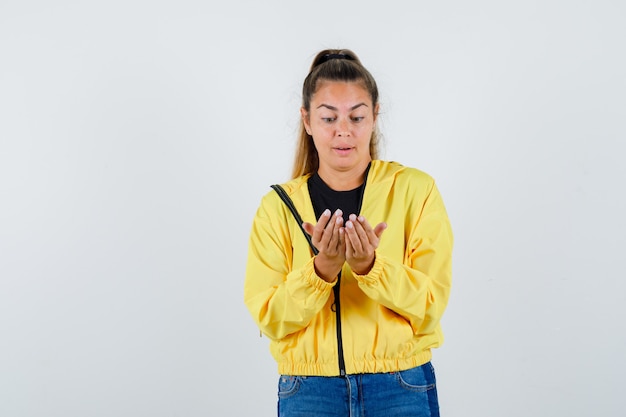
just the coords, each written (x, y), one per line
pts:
(343, 128)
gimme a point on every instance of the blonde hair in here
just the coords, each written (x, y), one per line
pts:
(331, 65)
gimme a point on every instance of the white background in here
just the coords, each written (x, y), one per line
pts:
(137, 137)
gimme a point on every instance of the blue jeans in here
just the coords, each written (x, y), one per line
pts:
(406, 393)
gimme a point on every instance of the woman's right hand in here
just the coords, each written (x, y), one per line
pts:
(328, 236)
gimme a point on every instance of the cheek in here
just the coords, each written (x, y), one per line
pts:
(321, 130)
(316, 141)
(366, 131)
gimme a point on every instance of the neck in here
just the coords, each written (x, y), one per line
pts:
(343, 180)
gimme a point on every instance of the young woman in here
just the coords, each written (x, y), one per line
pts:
(352, 301)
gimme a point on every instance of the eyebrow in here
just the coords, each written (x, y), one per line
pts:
(328, 106)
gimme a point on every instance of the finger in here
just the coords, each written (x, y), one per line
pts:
(379, 229)
(318, 230)
(363, 229)
(324, 231)
(372, 237)
(375, 233)
(342, 240)
(331, 232)
(322, 222)
(365, 234)
(353, 238)
(349, 249)
(308, 227)
(335, 222)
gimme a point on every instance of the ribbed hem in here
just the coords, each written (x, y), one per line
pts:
(373, 276)
(315, 280)
(377, 366)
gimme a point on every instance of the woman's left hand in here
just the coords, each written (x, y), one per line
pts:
(361, 243)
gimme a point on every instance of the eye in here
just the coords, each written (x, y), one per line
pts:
(328, 119)
(358, 118)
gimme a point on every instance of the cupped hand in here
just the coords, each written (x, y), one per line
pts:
(328, 237)
(361, 241)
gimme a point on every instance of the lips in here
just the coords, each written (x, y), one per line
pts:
(343, 151)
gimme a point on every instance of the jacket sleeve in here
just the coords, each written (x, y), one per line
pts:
(282, 299)
(419, 287)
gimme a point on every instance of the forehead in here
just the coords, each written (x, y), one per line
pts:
(341, 92)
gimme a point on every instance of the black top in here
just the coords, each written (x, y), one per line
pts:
(323, 197)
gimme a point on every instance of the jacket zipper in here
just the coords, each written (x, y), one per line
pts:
(337, 306)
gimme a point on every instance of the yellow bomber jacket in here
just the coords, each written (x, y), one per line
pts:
(389, 317)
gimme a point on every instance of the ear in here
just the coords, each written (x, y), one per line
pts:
(306, 120)
(376, 109)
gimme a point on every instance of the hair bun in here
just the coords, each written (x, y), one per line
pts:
(334, 54)
(328, 57)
